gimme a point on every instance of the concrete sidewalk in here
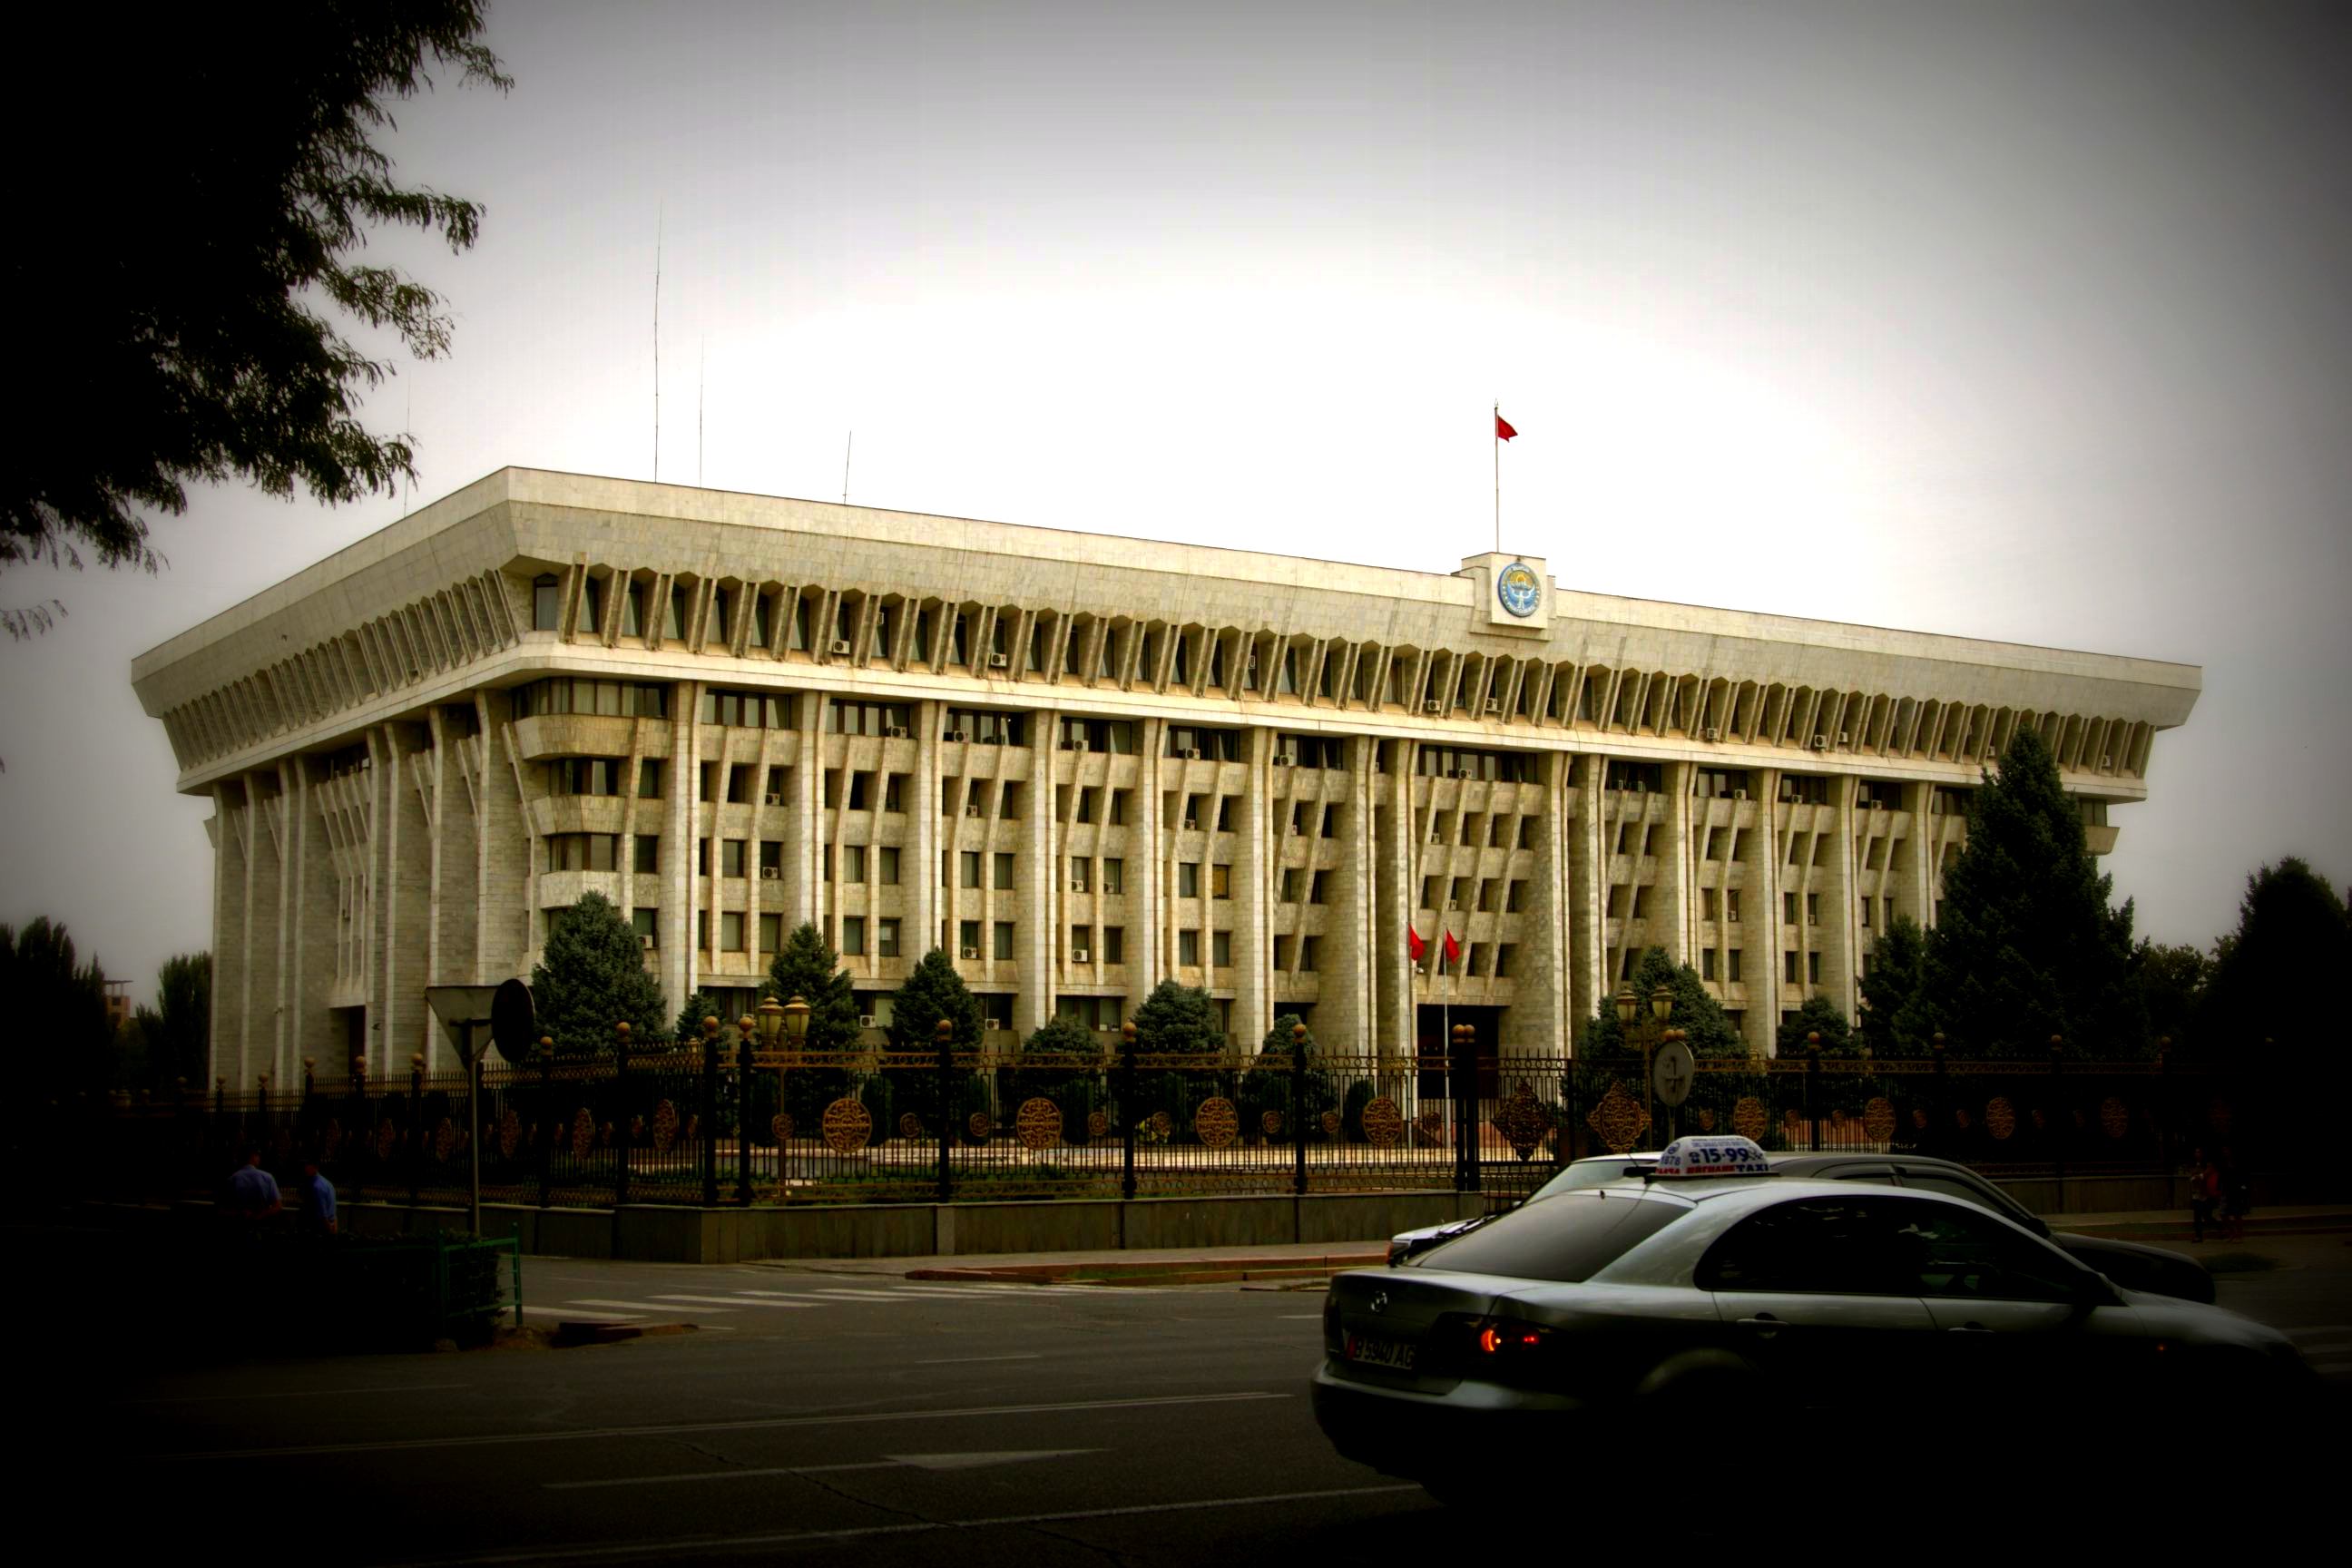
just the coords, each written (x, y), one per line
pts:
(1276, 1266)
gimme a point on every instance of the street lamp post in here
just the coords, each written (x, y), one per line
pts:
(1127, 1112)
(1465, 1112)
(1298, 1108)
(1651, 1033)
(945, 1031)
(777, 1021)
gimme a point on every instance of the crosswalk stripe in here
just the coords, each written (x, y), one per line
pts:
(860, 1295)
(570, 1312)
(639, 1307)
(781, 1295)
(723, 1302)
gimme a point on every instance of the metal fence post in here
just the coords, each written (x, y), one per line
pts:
(708, 1151)
(415, 1125)
(549, 1131)
(1127, 1107)
(743, 1119)
(1939, 1115)
(2059, 1116)
(1298, 1109)
(620, 1120)
(946, 1033)
(1813, 1071)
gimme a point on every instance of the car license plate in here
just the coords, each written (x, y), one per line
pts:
(1365, 1351)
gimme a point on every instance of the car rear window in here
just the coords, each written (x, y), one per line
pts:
(1570, 1238)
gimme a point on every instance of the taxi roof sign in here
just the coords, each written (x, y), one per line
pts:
(1729, 1155)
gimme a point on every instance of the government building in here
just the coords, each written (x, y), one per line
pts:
(1082, 764)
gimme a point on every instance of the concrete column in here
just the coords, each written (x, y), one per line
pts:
(1671, 900)
(680, 963)
(1838, 933)
(1586, 870)
(1764, 942)
(506, 856)
(1038, 901)
(1354, 934)
(1253, 911)
(1147, 924)
(231, 1009)
(308, 978)
(402, 885)
(919, 871)
(455, 854)
(1395, 895)
(1543, 1014)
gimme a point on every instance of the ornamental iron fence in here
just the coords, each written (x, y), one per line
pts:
(718, 1124)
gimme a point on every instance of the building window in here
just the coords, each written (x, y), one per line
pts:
(1307, 945)
(702, 857)
(772, 932)
(650, 780)
(1114, 876)
(1187, 949)
(825, 864)
(738, 784)
(646, 924)
(1731, 965)
(731, 930)
(1081, 874)
(1004, 939)
(732, 861)
(1805, 789)
(986, 726)
(853, 862)
(1220, 949)
(1003, 871)
(889, 866)
(1720, 783)
(1187, 879)
(1114, 944)
(1516, 898)
(968, 938)
(1707, 963)
(1636, 776)
(894, 792)
(585, 775)
(1812, 909)
(843, 717)
(1214, 745)
(645, 857)
(1813, 968)
(1705, 906)
(1320, 890)
(968, 862)
(607, 699)
(546, 602)
(1731, 906)
(885, 937)
(853, 936)
(1788, 909)
(673, 615)
(1506, 956)
(702, 928)
(1789, 966)
(772, 861)
(1221, 881)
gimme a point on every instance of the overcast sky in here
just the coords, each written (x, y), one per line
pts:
(2025, 320)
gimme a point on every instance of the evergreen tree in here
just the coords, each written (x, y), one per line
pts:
(1070, 1060)
(179, 1042)
(2172, 978)
(2273, 976)
(1821, 1016)
(1176, 1018)
(807, 968)
(932, 992)
(60, 1002)
(700, 1006)
(2026, 946)
(1890, 991)
(1705, 1028)
(590, 975)
(1268, 1087)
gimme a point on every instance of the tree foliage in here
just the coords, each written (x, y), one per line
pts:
(1706, 1030)
(590, 975)
(702, 1004)
(60, 1002)
(2273, 977)
(1821, 1016)
(1178, 1018)
(200, 216)
(178, 1035)
(2026, 944)
(1890, 1016)
(806, 967)
(2172, 979)
(932, 992)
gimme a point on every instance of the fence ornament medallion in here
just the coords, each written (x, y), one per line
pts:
(387, 1139)
(1216, 1121)
(1619, 1119)
(1098, 1124)
(909, 1125)
(509, 1134)
(584, 1133)
(1748, 1118)
(1038, 1122)
(665, 1127)
(977, 1126)
(1878, 1120)
(1383, 1122)
(1162, 1125)
(1523, 1122)
(444, 1141)
(780, 1127)
(1330, 1123)
(1706, 1119)
(2114, 1118)
(848, 1124)
(2001, 1118)
(1270, 1123)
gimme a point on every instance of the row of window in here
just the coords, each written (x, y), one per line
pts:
(574, 694)
(1513, 894)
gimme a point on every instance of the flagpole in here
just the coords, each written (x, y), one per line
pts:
(1495, 433)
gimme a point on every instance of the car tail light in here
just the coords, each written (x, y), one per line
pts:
(1499, 1350)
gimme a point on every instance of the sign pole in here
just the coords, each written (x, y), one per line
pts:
(473, 1134)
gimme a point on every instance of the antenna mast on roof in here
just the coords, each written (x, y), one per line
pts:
(658, 261)
(846, 448)
(701, 363)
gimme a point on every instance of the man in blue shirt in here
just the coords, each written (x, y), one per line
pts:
(317, 1200)
(252, 1191)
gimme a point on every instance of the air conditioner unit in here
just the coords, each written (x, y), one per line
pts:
(1711, 734)
(1191, 753)
(1191, 825)
(1845, 738)
(1739, 794)
(994, 1023)
(999, 661)
(1081, 955)
(1073, 745)
(1077, 885)
(1284, 759)
(952, 735)
(1105, 1028)
(1466, 773)
(838, 648)
(1820, 742)
(771, 873)
(1296, 830)
(894, 732)
(972, 952)
(866, 1020)
(775, 797)
(1878, 805)
(1493, 705)
(2107, 763)
(647, 943)
(971, 808)
(1433, 706)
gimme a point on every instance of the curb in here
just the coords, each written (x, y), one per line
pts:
(1191, 1271)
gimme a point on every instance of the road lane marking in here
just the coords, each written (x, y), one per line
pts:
(726, 1301)
(674, 1547)
(861, 1295)
(887, 1462)
(293, 1393)
(782, 1295)
(628, 1306)
(970, 1360)
(749, 1424)
(573, 1313)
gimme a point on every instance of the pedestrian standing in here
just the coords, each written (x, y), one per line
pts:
(317, 1210)
(253, 1194)
(2203, 1182)
(2236, 1192)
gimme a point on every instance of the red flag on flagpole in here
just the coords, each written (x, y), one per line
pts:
(1452, 949)
(1503, 431)
(1413, 945)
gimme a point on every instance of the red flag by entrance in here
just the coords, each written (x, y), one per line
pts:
(1413, 945)
(1503, 431)
(1452, 949)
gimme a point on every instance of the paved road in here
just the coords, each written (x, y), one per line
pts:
(824, 1416)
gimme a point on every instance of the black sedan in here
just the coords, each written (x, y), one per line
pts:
(1654, 1306)
(2133, 1264)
